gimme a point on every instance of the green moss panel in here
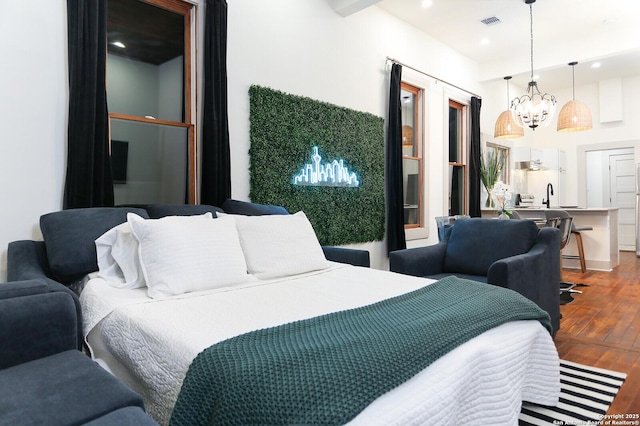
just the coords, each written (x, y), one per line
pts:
(284, 130)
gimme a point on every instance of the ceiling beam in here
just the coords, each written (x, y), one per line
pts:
(349, 7)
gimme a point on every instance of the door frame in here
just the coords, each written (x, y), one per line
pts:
(626, 225)
(607, 146)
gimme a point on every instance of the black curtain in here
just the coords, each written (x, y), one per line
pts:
(216, 158)
(89, 181)
(394, 186)
(474, 159)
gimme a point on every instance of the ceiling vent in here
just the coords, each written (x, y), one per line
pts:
(492, 20)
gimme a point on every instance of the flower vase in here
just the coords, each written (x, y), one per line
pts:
(503, 215)
(490, 203)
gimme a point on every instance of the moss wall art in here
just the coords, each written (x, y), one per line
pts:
(286, 130)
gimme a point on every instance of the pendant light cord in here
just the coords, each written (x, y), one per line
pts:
(508, 97)
(531, 34)
(573, 81)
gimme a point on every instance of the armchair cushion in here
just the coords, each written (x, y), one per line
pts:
(467, 247)
(70, 235)
(65, 388)
(158, 211)
(251, 209)
(355, 257)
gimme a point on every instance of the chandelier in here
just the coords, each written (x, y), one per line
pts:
(533, 109)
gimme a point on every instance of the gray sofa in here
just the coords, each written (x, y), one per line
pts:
(41, 318)
(68, 253)
(515, 254)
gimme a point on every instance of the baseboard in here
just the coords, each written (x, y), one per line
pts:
(594, 265)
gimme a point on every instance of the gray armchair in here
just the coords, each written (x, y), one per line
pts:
(514, 254)
(44, 377)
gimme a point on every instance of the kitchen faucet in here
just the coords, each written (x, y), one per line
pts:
(549, 189)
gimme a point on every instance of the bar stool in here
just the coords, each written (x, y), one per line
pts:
(560, 219)
(575, 230)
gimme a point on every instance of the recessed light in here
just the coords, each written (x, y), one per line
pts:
(119, 44)
(427, 3)
(610, 21)
(484, 41)
(595, 65)
(536, 77)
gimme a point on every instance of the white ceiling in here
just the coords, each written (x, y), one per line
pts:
(587, 31)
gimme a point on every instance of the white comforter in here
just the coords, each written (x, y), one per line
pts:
(149, 344)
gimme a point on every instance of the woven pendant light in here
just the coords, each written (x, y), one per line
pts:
(575, 116)
(506, 127)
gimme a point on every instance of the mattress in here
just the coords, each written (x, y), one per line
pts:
(150, 344)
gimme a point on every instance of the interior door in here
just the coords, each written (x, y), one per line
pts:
(622, 194)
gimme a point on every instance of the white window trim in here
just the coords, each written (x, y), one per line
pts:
(464, 99)
(424, 84)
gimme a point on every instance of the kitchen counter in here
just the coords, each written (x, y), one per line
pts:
(567, 209)
(600, 244)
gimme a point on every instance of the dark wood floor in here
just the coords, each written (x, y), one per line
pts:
(601, 327)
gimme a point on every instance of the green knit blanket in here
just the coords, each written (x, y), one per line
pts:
(327, 369)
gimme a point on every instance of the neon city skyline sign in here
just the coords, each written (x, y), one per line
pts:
(334, 173)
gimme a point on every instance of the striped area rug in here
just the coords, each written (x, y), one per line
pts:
(586, 395)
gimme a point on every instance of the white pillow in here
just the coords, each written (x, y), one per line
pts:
(107, 266)
(181, 254)
(118, 264)
(279, 245)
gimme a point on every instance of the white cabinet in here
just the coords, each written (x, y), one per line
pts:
(526, 157)
(554, 172)
(554, 159)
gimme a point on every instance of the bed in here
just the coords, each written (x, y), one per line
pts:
(149, 338)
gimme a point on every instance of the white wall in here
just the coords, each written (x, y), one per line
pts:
(299, 47)
(33, 116)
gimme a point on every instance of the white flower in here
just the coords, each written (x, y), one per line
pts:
(502, 194)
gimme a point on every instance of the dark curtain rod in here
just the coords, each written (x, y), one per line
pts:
(433, 77)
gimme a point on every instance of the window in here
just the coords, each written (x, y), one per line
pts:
(504, 152)
(457, 159)
(149, 92)
(412, 130)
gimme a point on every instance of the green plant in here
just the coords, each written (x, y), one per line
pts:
(491, 168)
(284, 128)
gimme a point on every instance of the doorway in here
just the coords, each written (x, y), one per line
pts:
(611, 183)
